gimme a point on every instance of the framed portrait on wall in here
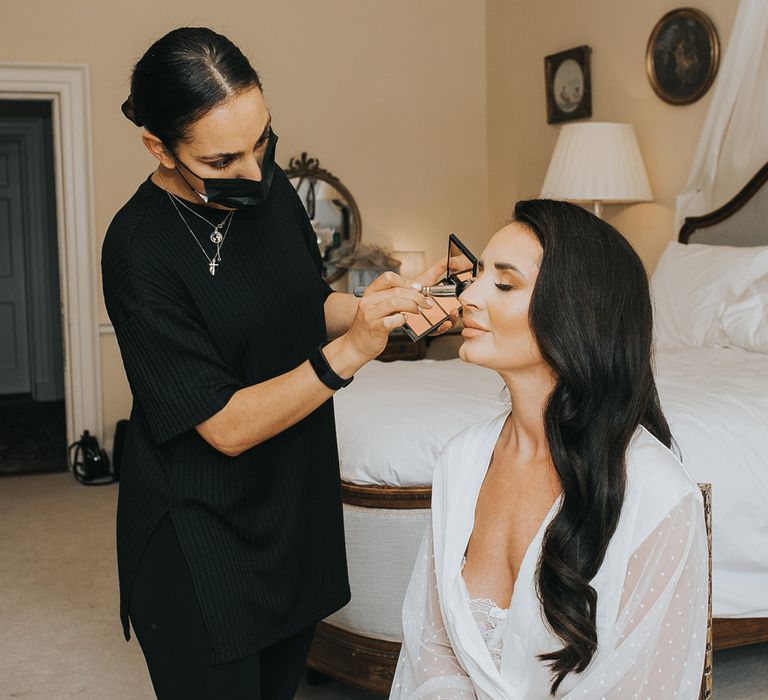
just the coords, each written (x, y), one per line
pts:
(568, 85)
(682, 56)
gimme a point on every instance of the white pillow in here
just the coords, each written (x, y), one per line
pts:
(745, 319)
(691, 285)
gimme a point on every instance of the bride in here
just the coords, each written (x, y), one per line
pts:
(566, 556)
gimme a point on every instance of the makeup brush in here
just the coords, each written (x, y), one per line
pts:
(436, 290)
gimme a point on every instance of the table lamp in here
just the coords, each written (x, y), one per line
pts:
(597, 162)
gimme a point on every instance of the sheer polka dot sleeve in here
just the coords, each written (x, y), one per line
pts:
(656, 648)
(427, 668)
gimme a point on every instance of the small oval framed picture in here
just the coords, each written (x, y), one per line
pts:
(682, 56)
(568, 85)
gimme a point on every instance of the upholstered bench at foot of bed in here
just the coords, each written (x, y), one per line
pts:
(358, 643)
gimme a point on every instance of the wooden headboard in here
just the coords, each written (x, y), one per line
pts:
(743, 221)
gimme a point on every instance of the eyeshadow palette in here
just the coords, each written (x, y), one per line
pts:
(462, 268)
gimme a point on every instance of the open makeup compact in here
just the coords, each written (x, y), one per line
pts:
(460, 271)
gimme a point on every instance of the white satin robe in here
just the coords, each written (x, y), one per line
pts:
(651, 588)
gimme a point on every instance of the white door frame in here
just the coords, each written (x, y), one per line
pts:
(66, 86)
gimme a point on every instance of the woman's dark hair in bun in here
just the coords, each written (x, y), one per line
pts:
(182, 77)
(130, 112)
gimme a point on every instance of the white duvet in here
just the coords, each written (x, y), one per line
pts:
(394, 419)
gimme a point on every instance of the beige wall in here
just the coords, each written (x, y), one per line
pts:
(388, 94)
(521, 33)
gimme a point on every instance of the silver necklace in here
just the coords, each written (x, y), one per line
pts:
(216, 237)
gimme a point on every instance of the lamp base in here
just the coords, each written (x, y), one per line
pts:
(597, 208)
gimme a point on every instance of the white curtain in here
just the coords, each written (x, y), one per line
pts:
(734, 141)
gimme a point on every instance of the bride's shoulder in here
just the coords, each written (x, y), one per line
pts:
(476, 434)
(655, 473)
(467, 447)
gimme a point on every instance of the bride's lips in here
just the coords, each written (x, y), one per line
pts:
(472, 329)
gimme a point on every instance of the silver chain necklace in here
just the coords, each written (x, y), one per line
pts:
(216, 237)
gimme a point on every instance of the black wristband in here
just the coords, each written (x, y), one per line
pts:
(325, 372)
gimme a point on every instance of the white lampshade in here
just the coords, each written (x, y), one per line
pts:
(412, 262)
(597, 162)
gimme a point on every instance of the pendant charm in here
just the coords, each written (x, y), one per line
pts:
(212, 267)
(216, 237)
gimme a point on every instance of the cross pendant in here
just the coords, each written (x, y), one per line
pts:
(212, 266)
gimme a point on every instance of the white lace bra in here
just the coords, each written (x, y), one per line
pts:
(490, 618)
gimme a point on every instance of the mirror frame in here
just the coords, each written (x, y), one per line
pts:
(306, 167)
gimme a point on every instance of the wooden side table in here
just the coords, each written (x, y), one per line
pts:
(401, 347)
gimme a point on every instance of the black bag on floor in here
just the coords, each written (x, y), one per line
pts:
(89, 463)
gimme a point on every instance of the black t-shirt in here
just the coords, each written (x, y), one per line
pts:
(262, 532)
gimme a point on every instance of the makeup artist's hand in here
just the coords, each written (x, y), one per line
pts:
(381, 310)
(433, 274)
(436, 273)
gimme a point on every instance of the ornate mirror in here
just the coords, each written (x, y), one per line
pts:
(331, 209)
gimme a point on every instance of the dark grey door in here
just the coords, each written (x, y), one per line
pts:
(14, 338)
(31, 351)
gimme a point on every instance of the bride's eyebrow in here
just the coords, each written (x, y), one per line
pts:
(501, 266)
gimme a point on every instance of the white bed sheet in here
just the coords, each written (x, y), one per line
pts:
(394, 419)
(716, 401)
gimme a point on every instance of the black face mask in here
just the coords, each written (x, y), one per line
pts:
(239, 192)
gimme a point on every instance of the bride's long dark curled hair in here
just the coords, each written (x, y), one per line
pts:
(591, 315)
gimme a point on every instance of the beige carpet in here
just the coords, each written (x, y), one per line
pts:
(60, 637)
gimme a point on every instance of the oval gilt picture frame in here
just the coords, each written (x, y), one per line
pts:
(682, 56)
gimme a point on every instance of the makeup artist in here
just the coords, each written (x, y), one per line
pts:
(229, 522)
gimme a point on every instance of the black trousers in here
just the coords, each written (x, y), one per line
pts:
(168, 623)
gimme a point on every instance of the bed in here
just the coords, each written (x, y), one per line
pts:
(716, 400)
